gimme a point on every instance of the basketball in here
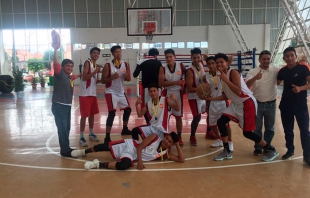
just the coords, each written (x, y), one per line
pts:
(203, 91)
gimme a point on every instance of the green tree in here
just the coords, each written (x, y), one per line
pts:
(48, 57)
(35, 65)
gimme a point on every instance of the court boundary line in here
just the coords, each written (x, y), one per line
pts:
(150, 169)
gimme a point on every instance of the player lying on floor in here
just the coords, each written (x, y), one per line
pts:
(128, 150)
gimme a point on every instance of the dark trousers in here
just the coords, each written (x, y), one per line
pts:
(62, 114)
(302, 118)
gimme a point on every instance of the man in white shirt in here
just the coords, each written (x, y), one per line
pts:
(263, 83)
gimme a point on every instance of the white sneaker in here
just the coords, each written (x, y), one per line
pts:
(93, 138)
(231, 146)
(217, 143)
(78, 153)
(83, 142)
(93, 164)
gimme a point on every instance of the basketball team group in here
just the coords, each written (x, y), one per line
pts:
(219, 91)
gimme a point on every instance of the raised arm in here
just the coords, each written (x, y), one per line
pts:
(86, 69)
(235, 83)
(251, 78)
(56, 62)
(177, 158)
(141, 146)
(163, 83)
(140, 112)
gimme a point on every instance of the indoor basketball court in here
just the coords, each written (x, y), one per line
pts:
(30, 162)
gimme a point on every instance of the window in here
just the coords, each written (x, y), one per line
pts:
(181, 45)
(167, 45)
(204, 44)
(145, 46)
(100, 45)
(129, 45)
(107, 46)
(35, 44)
(159, 45)
(151, 45)
(190, 45)
(113, 44)
(136, 46)
(123, 45)
(197, 44)
(174, 45)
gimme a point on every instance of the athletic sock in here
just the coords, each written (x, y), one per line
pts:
(104, 165)
(269, 147)
(91, 132)
(81, 134)
(179, 134)
(107, 135)
(88, 151)
(226, 147)
(209, 129)
(125, 127)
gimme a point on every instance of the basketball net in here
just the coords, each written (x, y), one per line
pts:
(149, 36)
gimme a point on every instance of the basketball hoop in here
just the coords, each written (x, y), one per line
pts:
(149, 28)
(149, 36)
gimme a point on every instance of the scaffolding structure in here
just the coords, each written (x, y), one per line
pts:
(234, 25)
(298, 25)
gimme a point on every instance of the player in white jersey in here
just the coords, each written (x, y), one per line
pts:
(216, 108)
(242, 109)
(194, 77)
(171, 78)
(149, 70)
(114, 75)
(127, 151)
(158, 110)
(88, 95)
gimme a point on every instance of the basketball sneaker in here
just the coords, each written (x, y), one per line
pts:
(92, 164)
(93, 137)
(193, 141)
(83, 142)
(78, 153)
(287, 156)
(210, 135)
(217, 143)
(270, 155)
(225, 155)
(231, 146)
(181, 143)
(126, 131)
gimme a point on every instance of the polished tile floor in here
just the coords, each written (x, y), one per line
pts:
(30, 165)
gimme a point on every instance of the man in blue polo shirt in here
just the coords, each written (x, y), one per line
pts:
(296, 79)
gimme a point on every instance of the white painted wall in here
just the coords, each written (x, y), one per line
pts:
(220, 39)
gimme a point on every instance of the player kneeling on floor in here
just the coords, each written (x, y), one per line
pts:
(129, 150)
